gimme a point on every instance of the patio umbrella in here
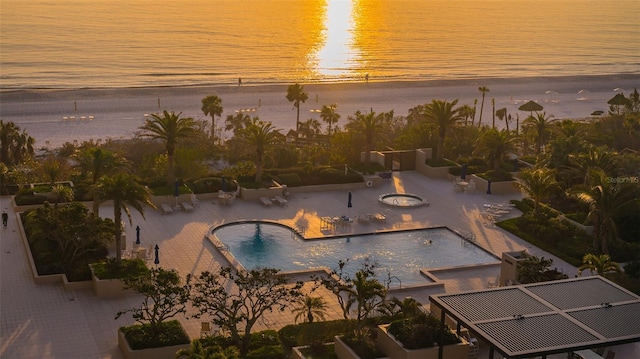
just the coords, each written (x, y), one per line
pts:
(349, 205)
(617, 101)
(176, 190)
(137, 234)
(156, 261)
(463, 172)
(531, 106)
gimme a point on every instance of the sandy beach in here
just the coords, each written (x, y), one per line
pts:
(53, 117)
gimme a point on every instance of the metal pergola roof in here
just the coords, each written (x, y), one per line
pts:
(540, 319)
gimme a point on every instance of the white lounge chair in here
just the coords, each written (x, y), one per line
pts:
(186, 206)
(166, 209)
(265, 201)
(281, 201)
(195, 201)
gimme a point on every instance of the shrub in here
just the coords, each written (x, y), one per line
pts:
(141, 337)
(497, 176)
(112, 269)
(290, 179)
(266, 352)
(423, 331)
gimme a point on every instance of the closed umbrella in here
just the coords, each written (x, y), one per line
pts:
(349, 205)
(489, 187)
(156, 261)
(224, 184)
(137, 234)
(463, 172)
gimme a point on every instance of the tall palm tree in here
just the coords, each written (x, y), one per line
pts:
(541, 123)
(484, 90)
(125, 191)
(493, 113)
(605, 200)
(328, 114)
(212, 106)
(310, 308)
(260, 135)
(169, 128)
(496, 145)
(444, 117)
(600, 264)
(537, 183)
(296, 94)
(368, 125)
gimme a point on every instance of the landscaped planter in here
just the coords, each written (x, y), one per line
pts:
(394, 349)
(343, 351)
(107, 288)
(296, 352)
(149, 353)
(502, 187)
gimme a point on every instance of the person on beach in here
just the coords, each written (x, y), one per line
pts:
(366, 78)
(5, 218)
(239, 81)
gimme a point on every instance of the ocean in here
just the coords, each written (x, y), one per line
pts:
(71, 44)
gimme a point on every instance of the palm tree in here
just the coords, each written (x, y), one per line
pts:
(593, 158)
(537, 183)
(212, 106)
(484, 90)
(370, 126)
(125, 191)
(237, 122)
(444, 117)
(63, 193)
(605, 200)
(169, 128)
(296, 94)
(466, 112)
(502, 115)
(53, 168)
(310, 128)
(96, 162)
(541, 123)
(260, 135)
(310, 308)
(15, 146)
(328, 114)
(496, 145)
(601, 264)
(493, 113)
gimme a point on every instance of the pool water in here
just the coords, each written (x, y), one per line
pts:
(399, 254)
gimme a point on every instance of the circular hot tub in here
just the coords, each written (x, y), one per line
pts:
(402, 200)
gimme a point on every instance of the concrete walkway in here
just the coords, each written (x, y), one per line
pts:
(47, 321)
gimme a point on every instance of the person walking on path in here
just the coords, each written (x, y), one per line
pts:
(5, 219)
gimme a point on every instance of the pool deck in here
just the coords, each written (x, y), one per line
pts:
(47, 321)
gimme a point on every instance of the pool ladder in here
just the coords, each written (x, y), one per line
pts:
(394, 277)
(395, 202)
(299, 230)
(223, 246)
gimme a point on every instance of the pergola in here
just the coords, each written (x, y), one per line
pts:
(539, 319)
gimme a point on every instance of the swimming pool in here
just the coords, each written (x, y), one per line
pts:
(400, 254)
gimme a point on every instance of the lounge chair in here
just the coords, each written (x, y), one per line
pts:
(379, 217)
(265, 201)
(281, 201)
(194, 201)
(165, 209)
(186, 206)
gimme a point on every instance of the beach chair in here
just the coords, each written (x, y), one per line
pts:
(265, 201)
(281, 201)
(186, 206)
(195, 202)
(166, 209)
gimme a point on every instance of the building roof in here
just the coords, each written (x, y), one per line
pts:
(539, 319)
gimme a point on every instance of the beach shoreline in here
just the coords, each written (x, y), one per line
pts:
(55, 116)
